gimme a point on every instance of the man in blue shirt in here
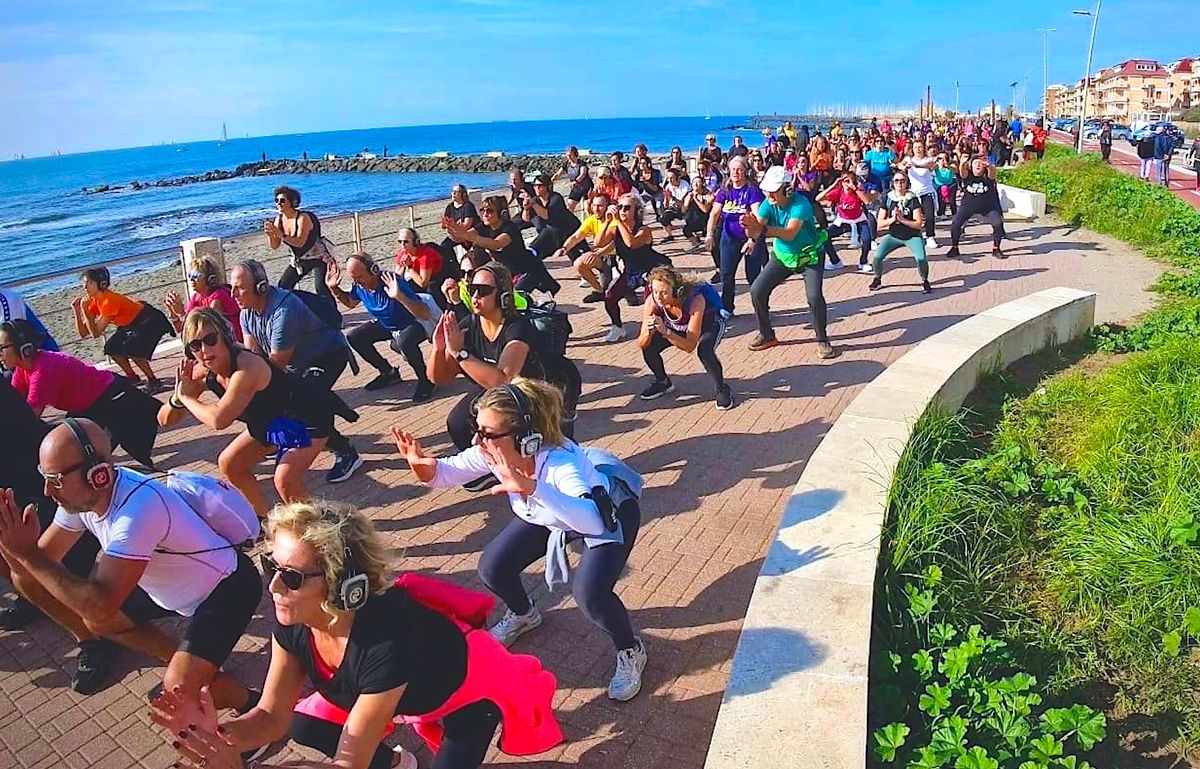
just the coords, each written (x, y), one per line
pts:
(1164, 148)
(277, 323)
(396, 313)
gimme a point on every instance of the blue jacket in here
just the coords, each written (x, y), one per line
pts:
(1164, 145)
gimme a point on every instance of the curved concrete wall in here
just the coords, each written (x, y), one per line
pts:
(797, 692)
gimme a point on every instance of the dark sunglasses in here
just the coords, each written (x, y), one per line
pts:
(195, 275)
(480, 289)
(292, 579)
(280, 201)
(483, 434)
(625, 207)
(208, 340)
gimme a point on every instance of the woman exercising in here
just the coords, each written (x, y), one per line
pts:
(980, 198)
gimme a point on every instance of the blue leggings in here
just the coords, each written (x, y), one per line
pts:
(890, 243)
(731, 254)
(521, 544)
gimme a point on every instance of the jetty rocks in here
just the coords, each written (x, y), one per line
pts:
(472, 164)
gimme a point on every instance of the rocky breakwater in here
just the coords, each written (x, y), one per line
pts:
(400, 164)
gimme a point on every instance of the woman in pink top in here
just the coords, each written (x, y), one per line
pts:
(66, 383)
(209, 289)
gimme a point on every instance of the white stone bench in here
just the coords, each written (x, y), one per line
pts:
(1019, 203)
(797, 691)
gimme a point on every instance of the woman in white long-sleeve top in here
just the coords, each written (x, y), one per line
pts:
(560, 492)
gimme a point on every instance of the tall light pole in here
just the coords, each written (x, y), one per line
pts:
(1045, 68)
(1013, 85)
(1087, 73)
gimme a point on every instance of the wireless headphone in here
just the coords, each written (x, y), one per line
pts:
(504, 296)
(24, 335)
(351, 587)
(96, 471)
(100, 275)
(529, 440)
(259, 274)
(369, 263)
(209, 270)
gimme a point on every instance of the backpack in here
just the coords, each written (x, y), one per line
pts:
(322, 306)
(552, 325)
(218, 504)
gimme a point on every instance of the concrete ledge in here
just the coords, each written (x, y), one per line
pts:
(1024, 204)
(797, 691)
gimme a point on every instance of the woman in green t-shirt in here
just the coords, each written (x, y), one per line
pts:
(788, 219)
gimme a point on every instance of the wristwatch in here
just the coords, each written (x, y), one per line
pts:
(462, 355)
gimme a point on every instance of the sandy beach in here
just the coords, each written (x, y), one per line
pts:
(378, 233)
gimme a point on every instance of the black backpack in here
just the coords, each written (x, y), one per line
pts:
(322, 306)
(552, 325)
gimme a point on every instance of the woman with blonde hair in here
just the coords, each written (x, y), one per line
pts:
(284, 414)
(560, 492)
(209, 289)
(376, 650)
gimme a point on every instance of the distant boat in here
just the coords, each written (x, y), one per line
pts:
(707, 116)
(224, 135)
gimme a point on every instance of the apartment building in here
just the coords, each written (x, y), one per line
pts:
(1133, 88)
(1183, 84)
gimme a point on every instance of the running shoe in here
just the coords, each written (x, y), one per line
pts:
(875, 285)
(834, 266)
(996, 252)
(20, 614)
(931, 242)
(512, 626)
(657, 390)
(926, 288)
(615, 334)
(386, 379)
(865, 269)
(155, 386)
(91, 667)
(627, 680)
(724, 398)
(583, 283)
(760, 342)
(716, 278)
(953, 252)
(482, 483)
(423, 392)
(593, 296)
(826, 351)
(343, 467)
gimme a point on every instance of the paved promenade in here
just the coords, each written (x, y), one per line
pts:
(716, 483)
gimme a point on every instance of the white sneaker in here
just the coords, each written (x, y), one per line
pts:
(403, 759)
(865, 269)
(584, 284)
(931, 242)
(831, 267)
(615, 334)
(627, 681)
(513, 626)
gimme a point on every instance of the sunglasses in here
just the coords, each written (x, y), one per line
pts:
(292, 579)
(480, 289)
(56, 479)
(483, 434)
(624, 207)
(280, 201)
(195, 275)
(487, 210)
(208, 340)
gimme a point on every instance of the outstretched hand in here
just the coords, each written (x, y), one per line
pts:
(333, 275)
(19, 529)
(175, 712)
(513, 480)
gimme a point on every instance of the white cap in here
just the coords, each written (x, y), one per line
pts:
(773, 179)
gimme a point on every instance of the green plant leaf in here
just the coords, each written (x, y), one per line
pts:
(1171, 642)
(1184, 530)
(927, 758)
(894, 661)
(1191, 622)
(1071, 762)
(1045, 748)
(923, 663)
(1086, 724)
(948, 737)
(920, 602)
(935, 700)
(890, 739)
(941, 633)
(932, 576)
(976, 758)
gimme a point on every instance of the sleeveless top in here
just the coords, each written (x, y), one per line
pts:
(980, 192)
(314, 234)
(680, 325)
(285, 394)
(638, 260)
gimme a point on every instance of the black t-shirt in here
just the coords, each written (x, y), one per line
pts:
(465, 211)
(515, 256)
(517, 329)
(394, 641)
(908, 206)
(560, 218)
(23, 432)
(711, 153)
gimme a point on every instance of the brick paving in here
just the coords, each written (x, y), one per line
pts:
(716, 482)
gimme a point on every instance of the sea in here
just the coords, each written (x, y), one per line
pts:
(48, 225)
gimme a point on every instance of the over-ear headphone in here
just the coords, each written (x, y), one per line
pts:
(96, 471)
(259, 274)
(369, 263)
(24, 335)
(351, 587)
(529, 440)
(504, 287)
(209, 270)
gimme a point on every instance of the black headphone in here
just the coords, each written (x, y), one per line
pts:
(351, 587)
(24, 335)
(504, 298)
(369, 263)
(101, 276)
(259, 275)
(529, 440)
(96, 471)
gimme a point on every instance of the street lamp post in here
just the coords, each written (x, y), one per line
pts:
(1045, 69)
(1013, 85)
(1087, 73)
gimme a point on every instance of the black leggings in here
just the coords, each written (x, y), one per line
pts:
(291, 276)
(706, 349)
(521, 544)
(864, 238)
(331, 366)
(929, 207)
(776, 273)
(130, 416)
(560, 372)
(992, 216)
(364, 337)
(468, 734)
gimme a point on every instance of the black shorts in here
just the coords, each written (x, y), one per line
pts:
(139, 338)
(220, 620)
(580, 189)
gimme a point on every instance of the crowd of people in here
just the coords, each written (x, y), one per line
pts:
(104, 549)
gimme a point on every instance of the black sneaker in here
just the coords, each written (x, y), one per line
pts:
(996, 252)
(724, 399)
(875, 285)
(926, 288)
(386, 379)
(657, 390)
(91, 670)
(715, 279)
(20, 614)
(593, 297)
(423, 392)
(343, 467)
(953, 251)
(482, 483)
(155, 386)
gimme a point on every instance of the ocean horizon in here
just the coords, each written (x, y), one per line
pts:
(47, 223)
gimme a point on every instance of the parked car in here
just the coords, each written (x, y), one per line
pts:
(1061, 123)
(1173, 130)
(1119, 131)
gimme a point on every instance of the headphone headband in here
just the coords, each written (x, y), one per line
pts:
(529, 440)
(96, 472)
(352, 588)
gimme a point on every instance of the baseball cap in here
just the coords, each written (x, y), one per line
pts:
(773, 179)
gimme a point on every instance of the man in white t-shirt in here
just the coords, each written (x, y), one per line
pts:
(675, 190)
(158, 558)
(920, 183)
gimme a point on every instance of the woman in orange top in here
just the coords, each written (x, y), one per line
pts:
(139, 326)
(821, 158)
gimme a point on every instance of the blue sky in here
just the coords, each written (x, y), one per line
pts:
(89, 74)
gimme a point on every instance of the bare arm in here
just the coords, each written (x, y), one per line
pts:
(642, 237)
(96, 599)
(688, 342)
(303, 228)
(244, 383)
(270, 719)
